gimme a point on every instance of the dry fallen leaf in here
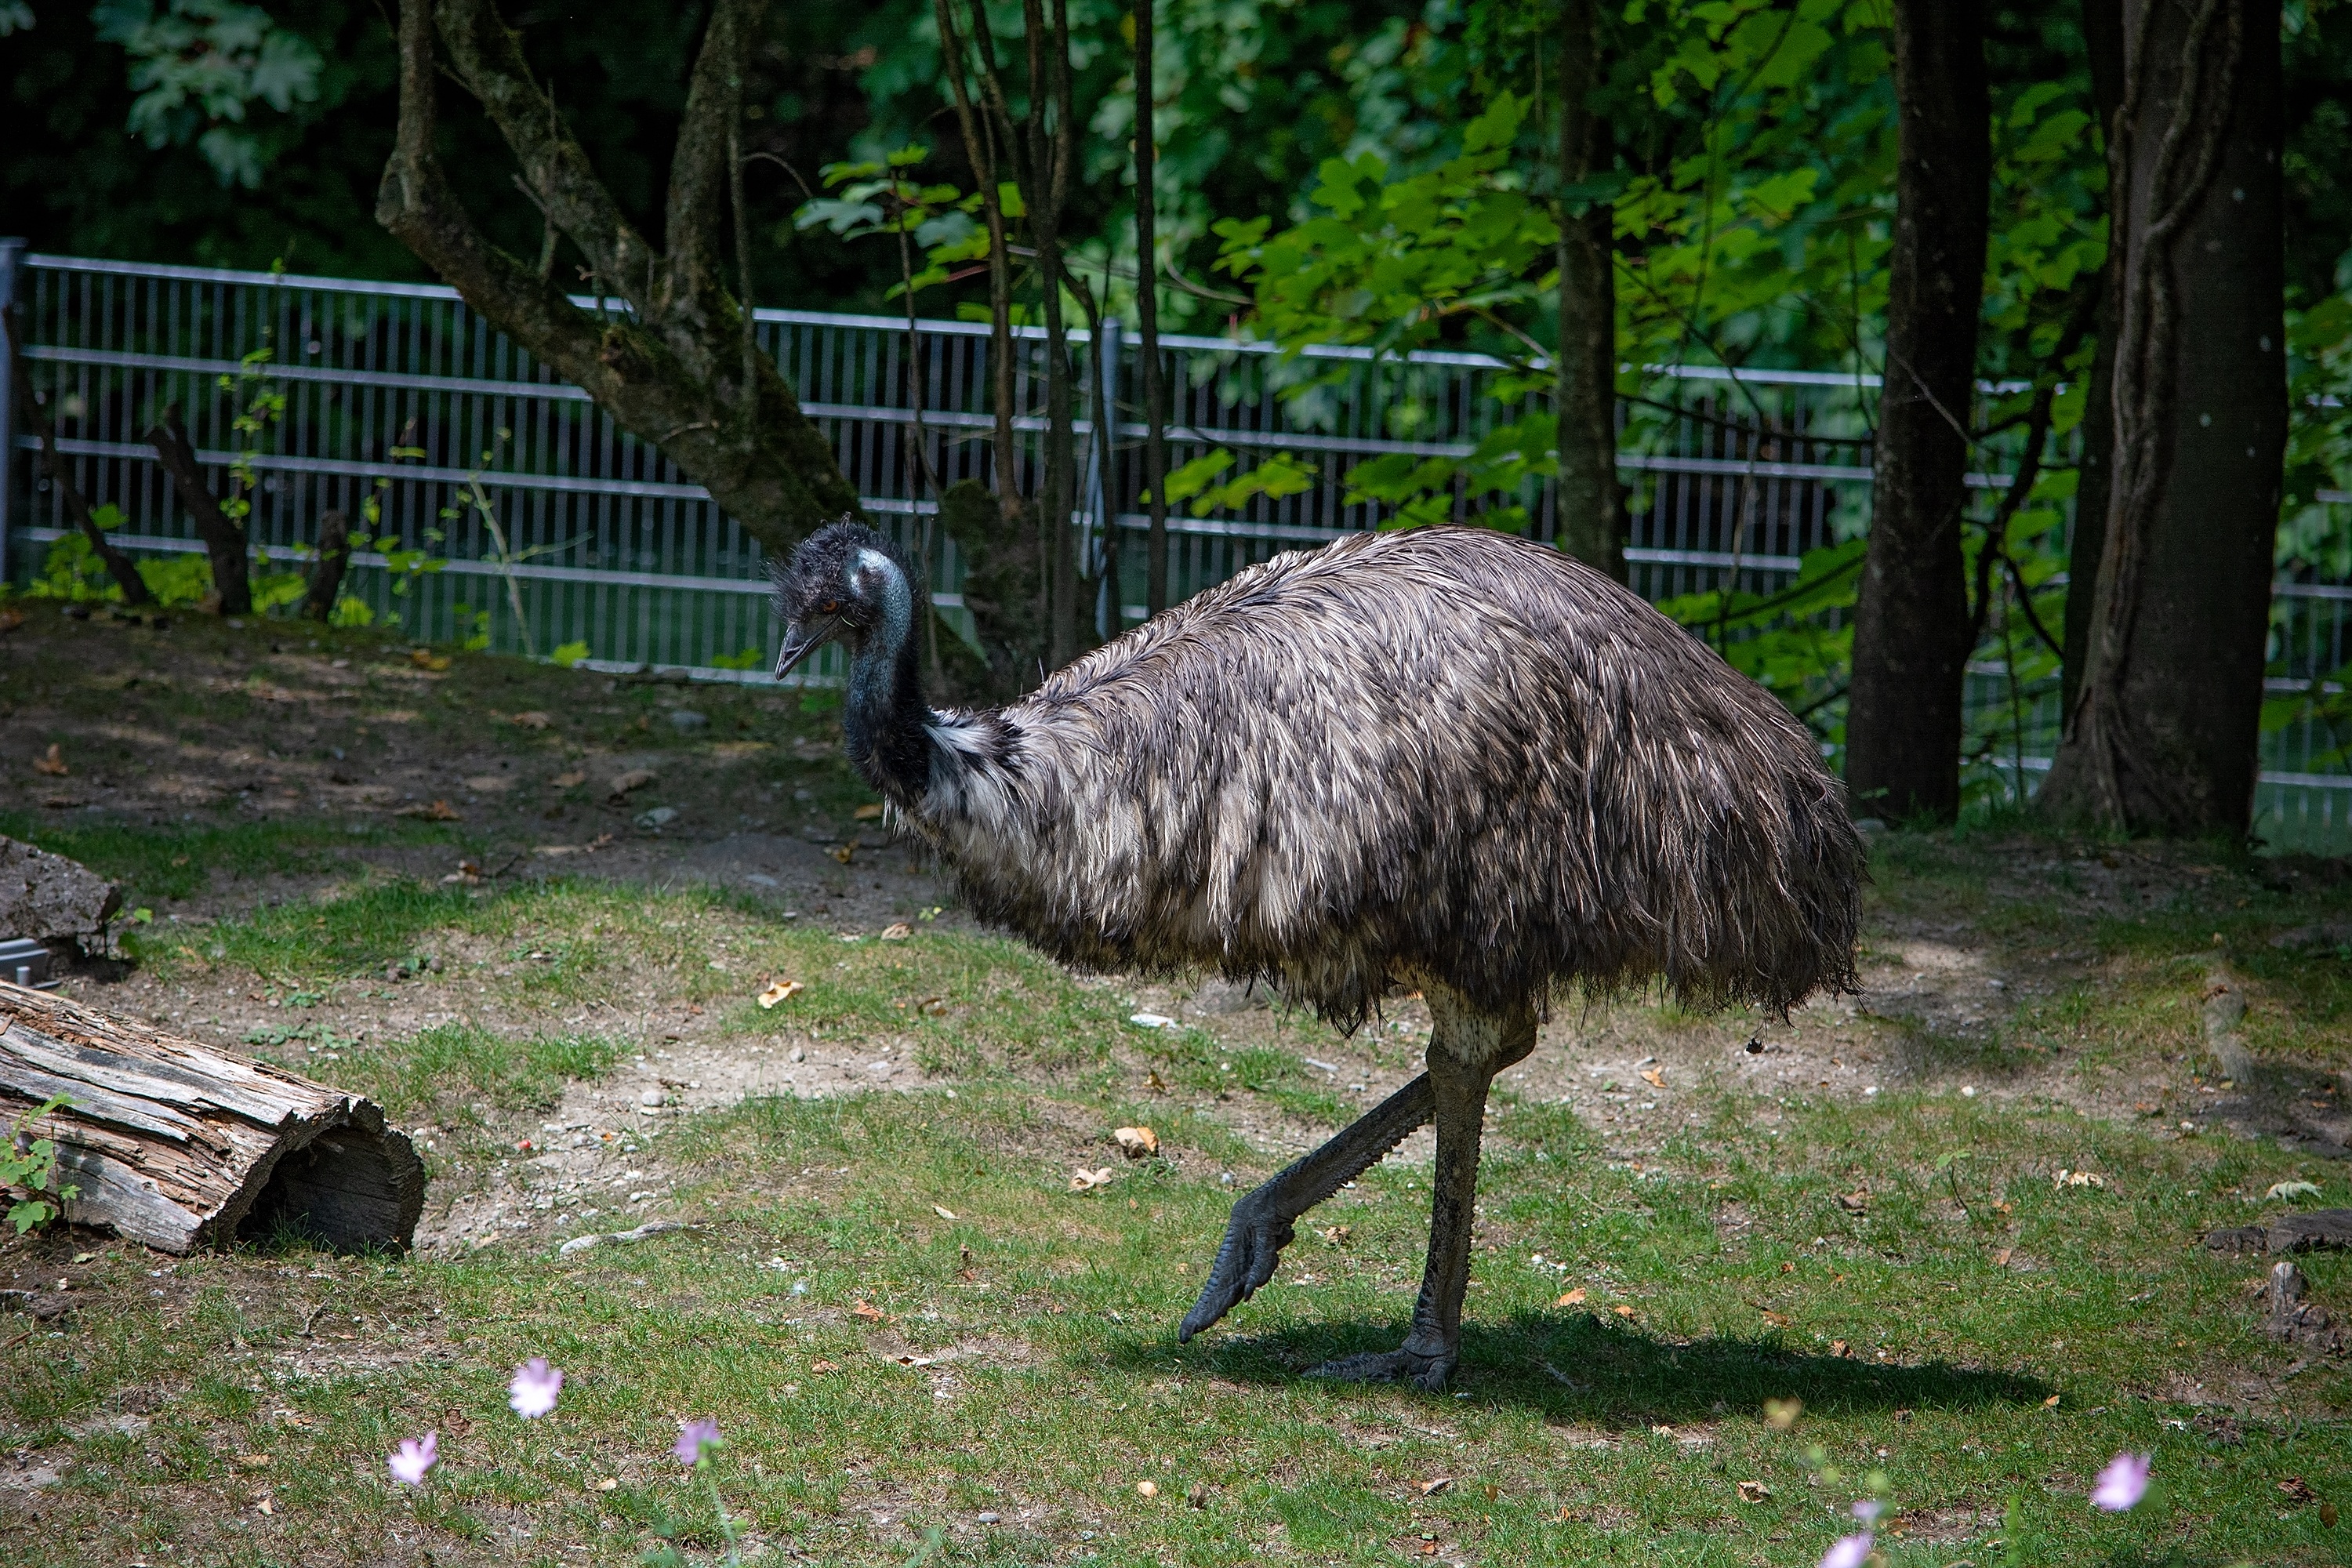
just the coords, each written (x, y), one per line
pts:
(254, 1461)
(1430, 1488)
(1778, 1319)
(871, 811)
(780, 991)
(2298, 1489)
(570, 778)
(1136, 1143)
(2051, 1402)
(916, 1360)
(610, 1483)
(846, 853)
(437, 811)
(1623, 1311)
(1854, 1201)
(897, 930)
(932, 1007)
(1754, 1491)
(426, 659)
(2000, 1259)
(1147, 1489)
(261, 1500)
(54, 764)
(1573, 1299)
(1654, 1078)
(634, 778)
(867, 1311)
(1781, 1413)
(10, 620)
(535, 720)
(943, 1211)
(821, 1367)
(1840, 1348)
(1083, 1179)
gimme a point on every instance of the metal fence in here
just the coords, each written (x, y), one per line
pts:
(479, 456)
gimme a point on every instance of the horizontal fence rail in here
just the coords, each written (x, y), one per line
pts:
(399, 396)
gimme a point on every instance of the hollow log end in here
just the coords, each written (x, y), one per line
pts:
(358, 1186)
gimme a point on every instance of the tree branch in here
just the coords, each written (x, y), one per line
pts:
(698, 176)
(76, 506)
(223, 540)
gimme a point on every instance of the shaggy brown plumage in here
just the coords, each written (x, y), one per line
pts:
(1446, 758)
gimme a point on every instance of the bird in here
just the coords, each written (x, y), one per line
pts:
(1445, 760)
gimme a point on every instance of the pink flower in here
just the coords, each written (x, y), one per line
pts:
(1868, 1510)
(2123, 1483)
(693, 1436)
(413, 1458)
(532, 1392)
(1847, 1551)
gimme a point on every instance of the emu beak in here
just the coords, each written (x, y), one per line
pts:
(799, 641)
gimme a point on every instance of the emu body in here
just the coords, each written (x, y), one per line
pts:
(1447, 760)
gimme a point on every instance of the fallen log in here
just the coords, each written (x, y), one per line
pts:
(179, 1146)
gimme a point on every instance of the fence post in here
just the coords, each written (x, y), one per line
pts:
(10, 251)
(1099, 446)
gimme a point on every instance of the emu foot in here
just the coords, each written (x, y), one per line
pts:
(1428, 1373)
(1254, 1237)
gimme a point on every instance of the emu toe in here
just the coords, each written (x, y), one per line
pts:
(1254, 1237)
(1428, 1373)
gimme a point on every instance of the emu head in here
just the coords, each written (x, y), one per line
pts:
(838, 586)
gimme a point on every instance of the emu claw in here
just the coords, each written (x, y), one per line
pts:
(1245, 1260)
(1427, 1373)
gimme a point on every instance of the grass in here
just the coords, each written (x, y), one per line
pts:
(902, 1318)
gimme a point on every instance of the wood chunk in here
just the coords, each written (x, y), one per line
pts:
(48, 895)
(2320, 1230)
(178, 1145)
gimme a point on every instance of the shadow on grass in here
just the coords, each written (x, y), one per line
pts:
(1578, 1368)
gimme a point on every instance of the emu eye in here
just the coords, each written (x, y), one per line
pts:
(830, 605)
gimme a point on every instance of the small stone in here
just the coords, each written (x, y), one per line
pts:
(986, 1516)
(660, 818)
(47, 896)
(686, 720)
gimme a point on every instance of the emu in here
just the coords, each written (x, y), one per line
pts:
(1446, 760)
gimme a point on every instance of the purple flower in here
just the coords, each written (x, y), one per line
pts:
(413, 1458)
(1868, 1510)
(532, 1392)
(2123, 1483)
(693, 1436)
(1847, 1551)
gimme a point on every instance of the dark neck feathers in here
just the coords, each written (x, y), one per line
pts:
(887, 721)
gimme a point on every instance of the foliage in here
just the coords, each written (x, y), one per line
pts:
(198, 67)
(30, 1164)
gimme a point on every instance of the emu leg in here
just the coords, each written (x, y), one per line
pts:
(1465, 1051)
(1262, 1219)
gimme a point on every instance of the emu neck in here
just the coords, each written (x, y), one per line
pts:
(885, 720)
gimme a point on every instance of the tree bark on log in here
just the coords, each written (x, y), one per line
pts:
(1911, 633)
(2162, 734)
(223, 540)
(179, 1146)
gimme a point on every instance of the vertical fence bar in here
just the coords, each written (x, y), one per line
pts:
(11, 251)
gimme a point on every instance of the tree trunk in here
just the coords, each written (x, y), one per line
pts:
(327, 574)
(2163, 732)
(223, 540)
(1911, 624)
(2103, 36)
(77, 506)
(1592, 502)
(179, 1146)
(671, 369)
(1147, 311)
